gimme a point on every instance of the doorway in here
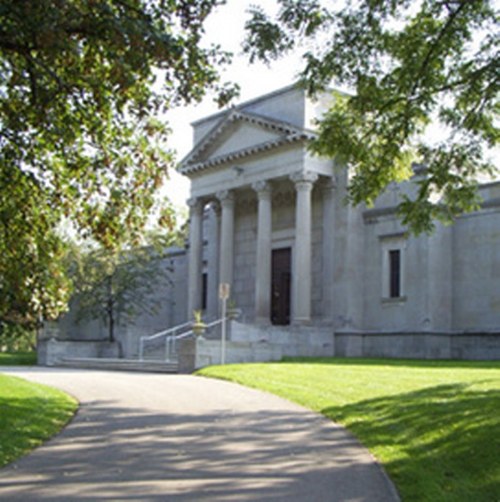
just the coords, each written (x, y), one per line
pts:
(280, 285)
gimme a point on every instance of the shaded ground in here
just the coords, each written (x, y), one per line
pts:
(164, 437)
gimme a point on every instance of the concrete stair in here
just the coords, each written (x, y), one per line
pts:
(108, 364)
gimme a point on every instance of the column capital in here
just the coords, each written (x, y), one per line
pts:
(195, 204)
(329, 187)
(263, 189)
(215, 207)
(303, 179)
(226, 197)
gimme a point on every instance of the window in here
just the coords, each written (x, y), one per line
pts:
(393, 267)
(204, 291)
(394, 273)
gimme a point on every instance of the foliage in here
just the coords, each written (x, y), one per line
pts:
(409, 63)
(198, 317)
(81, 85)
(31, 413)
(16, 337)
(433, 425)
(17, 358)
(116, 286)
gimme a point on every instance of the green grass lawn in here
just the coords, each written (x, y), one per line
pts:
(29, 414)
(435, 426)
(17, 358)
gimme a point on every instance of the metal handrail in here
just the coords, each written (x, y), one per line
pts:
(171, 340)
(214, 323)
(147, 338)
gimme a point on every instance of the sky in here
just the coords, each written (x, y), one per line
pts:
(225, 26)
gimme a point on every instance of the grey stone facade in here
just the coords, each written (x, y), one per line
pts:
(355, 283)
(446, 300)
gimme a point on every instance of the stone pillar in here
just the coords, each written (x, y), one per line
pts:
(226, 199)
(263, 268)
(195, 255)
(213, 262)
(301, 274)
(328, 191)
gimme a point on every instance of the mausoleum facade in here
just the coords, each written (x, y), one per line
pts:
(294, 253)
(311, 274)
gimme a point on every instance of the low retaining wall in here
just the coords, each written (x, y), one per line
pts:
(248, 343)
(466, 346)
(51, 352)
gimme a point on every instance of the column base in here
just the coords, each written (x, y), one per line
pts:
(301, 321)
(262, 321)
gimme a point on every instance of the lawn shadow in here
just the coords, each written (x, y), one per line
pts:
(448, 436)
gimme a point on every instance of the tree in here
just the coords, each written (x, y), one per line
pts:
(81, 84)
(408, 63)
(116, 287)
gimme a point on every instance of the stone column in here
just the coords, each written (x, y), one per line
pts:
(213, 262)
(263, 268)
(328, 191)
(226, 199)
(301, 275)
(195, 255)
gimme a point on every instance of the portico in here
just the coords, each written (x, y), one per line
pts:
(255, 169)
(256, 200)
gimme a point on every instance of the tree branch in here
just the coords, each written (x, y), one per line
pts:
(435, 44)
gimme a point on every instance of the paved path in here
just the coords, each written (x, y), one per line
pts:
(184, 438)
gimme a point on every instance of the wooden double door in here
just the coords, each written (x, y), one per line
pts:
(281, 275)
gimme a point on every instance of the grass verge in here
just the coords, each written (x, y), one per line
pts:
(435, 426)
(29, 414)
(17, 358)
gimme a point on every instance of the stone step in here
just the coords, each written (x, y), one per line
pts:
(153, 366)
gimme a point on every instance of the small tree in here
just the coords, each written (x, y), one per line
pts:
(118, 286)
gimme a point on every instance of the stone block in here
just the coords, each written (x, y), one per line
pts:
(186, 352)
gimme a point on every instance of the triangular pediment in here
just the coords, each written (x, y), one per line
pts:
(237, 135)
(240, 136)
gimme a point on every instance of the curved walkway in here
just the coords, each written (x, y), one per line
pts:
(184, 438)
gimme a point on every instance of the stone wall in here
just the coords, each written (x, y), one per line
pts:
(476, 271)
(419, 346)
(245, 238)
(169, 298)
(51, 352)
(248, 343)
(450, 278)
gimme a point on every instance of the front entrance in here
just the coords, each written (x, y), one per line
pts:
(280, 286)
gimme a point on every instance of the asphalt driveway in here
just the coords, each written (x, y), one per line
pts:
(155, 437)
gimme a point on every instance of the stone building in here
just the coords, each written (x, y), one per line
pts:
(310, 274)
(295, 255)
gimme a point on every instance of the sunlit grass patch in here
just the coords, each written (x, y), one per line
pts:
(29, 414)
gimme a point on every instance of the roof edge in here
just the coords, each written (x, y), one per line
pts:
(277, 92)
